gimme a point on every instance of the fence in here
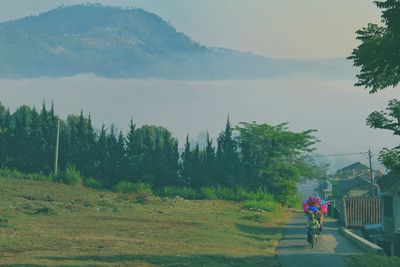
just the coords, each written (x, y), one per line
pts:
(360, 211)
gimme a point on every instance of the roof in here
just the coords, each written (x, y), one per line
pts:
(345, 185)
(358, 166)
(389, 180)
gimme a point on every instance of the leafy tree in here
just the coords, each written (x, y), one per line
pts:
(388, 120)
(378, 55)
(273, 157)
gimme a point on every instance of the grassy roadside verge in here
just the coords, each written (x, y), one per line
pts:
(373, 260)
(49, 224)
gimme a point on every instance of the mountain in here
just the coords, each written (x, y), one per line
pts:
(133, 43)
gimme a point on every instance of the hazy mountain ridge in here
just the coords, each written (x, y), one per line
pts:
(133, 43)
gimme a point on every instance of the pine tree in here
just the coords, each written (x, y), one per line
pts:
(186, 164)
(228, 163)
(3, 134)
(20, 139)
(101, 158)
(208, 163)
(119, 157)
(196, 166)
(171, 157)
(133, 154)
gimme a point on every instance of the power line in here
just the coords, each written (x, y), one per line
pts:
(338, 155)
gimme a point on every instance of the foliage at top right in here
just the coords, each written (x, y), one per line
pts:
(378, 55)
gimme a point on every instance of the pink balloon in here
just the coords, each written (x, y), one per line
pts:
(306, 208)
(324, 208)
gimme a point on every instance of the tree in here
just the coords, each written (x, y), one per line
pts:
(101, 160)
(133, 154)
(378, 55)
(3, 134)
(274, 157)
(388, 120)
(186, 164)
(228, 172)
(20, 139)
(208, 162)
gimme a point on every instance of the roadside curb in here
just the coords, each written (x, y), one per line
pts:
(359, 241)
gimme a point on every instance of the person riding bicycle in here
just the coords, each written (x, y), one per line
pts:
(320, 218)
(313, 224)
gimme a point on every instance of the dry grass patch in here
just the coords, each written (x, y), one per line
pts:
(77, 226)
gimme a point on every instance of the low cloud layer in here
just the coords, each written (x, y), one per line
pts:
(335, 108)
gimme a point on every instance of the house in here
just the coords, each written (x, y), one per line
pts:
(351, 171)
(390, 188)
(357, 206)
(355, 187)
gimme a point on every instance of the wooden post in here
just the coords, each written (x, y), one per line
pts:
(57, 144)
(344, 211)
(371, 174)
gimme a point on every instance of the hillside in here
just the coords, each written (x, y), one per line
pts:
(133, 43)
(49, 224)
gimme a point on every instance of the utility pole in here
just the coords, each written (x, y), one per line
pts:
(371, 174)
(57, 144)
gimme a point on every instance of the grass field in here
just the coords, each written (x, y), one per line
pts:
(50, 224)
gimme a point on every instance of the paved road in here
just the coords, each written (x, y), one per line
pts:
(330, 251)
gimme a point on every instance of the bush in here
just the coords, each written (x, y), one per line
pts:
(92, 183)
(128, 187)
(235, 194)
(263, 205)
(185, 192)
(7, 173)
(208, 193)
(294, 202)
(70, 176)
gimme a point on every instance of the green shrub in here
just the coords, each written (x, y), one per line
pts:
(263, 205)
(70, 176)
(208, 193)
(128, 187)
(235, 194)
(294, 202)
(92, 183)
(7, 173)
(185, 192)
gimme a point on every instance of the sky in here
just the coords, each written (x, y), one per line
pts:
(273, 28)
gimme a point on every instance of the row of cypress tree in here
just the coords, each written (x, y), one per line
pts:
(146, 154)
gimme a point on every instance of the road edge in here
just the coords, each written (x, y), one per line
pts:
(361, 242)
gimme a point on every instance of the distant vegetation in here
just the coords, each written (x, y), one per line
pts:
(247, 158)
(133, 43)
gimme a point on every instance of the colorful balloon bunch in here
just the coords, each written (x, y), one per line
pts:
(314, 204)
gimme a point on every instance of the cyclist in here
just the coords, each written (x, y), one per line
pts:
(312, 225)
